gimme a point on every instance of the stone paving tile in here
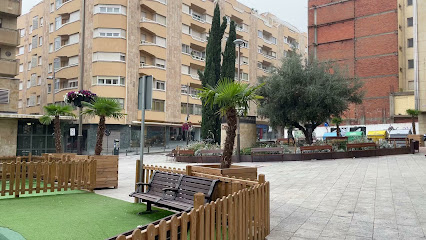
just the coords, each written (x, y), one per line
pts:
(361, 198)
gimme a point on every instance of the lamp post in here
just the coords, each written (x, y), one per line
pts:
(239, 42)
(80, 80)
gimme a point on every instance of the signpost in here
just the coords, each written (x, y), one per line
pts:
(144, 103)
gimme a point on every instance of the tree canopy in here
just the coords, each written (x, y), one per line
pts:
(306, 94)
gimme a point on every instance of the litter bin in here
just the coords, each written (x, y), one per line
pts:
(116, 147)
(414, 145)
(377, 135)
(331, 134)
(354, 135)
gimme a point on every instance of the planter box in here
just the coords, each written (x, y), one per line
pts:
(292, 157)
(267, 158)
(317, 156)
(340, 155)
(210, 159)
(106, 171)
(188, 159)
(234, 171)
(363, 153)
(392, 151)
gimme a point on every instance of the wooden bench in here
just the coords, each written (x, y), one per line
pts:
(185, 153)
(351, 146)
(158, 182)
(174, 191)
(184, 193)
(213, 152)
(266, 151)
(313, 148)
(336, 140)
(399, 141)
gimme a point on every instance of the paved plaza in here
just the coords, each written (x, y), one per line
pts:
(365, 198)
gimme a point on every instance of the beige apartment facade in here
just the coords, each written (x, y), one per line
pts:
(9, 40)
(127, 39)
(412, 60)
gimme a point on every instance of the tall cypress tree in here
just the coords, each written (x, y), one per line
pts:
(211, 120)
(228, 64)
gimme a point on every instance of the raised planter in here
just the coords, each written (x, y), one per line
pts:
(234, 171)
(316, 156)
(106, 171)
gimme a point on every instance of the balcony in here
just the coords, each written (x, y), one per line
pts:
(9, 37)
(12, 7)
(8, 68)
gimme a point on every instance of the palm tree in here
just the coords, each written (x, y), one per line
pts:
(413, 113)
(229, 96)
(103, 108)
(56, 110)
(337, 121)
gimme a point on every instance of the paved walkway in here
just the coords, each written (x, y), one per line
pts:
(366, 198)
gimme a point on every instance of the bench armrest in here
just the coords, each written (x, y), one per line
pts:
(170, 189)
(142, 184)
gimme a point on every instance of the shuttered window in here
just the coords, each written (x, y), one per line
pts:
(4, 96)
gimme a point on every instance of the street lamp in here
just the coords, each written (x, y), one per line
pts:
(238, 42)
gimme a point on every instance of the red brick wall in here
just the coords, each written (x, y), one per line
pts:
(371, 57)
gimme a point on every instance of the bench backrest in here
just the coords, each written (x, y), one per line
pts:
(285, 140)
(320, 147)
(162, 180)
(360, 145)
(189, 186)
(266, 150)
(213, 151)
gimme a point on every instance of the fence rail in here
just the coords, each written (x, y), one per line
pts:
(241, 215)
(20, 177)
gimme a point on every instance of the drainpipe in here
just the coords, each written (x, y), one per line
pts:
(416, 56)
(315, 33)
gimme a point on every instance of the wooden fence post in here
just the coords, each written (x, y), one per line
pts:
(235, 186)
(198, 200)
(261, 178)
(138, 163)
(189, 170)
(93, 174)
(29, 157)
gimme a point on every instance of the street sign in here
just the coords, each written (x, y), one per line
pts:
(72, 132)
(148, 82)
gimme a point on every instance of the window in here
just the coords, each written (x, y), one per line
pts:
(109, 33)
(50, 47)
(29, 66)
(160, 41)
(34, 41)
(409, 2)
(411, 85)
(50, 68)
(160, 19)
(22, 32)
(410, 63)
(30, 29)
(21, 67)
(20, 104)
(49, 88)
(38, 100)
(410, 22)
(21, 50)
(52, 7)
(161, 63)
(260, 34)
(4, 96)
(108, 80)
(39, 80)
(159, 85)
(158, 105)
(33, 80)
(109, 56)
(51, 29)
(21, 85)
(185, 29)
(410, 43)
(186, 49)
(40, 60)
(30, 47)
(110, 9)
(35, 23)
(186, 69)
(28, 83)
(41, 22)
(193, 109)
(184, 89)
(40, 41)
(34, 60)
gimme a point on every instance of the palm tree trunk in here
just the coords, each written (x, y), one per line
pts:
(57, 126)
(231, 120)
(338, 130)
(100, 135)
(414, 124)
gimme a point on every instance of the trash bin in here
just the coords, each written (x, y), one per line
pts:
(352, 136)
(116, 147)
(331, 134)
(377, 135)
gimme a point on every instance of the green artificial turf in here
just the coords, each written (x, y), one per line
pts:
(82, 215)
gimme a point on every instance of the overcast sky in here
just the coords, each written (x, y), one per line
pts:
(292, 11)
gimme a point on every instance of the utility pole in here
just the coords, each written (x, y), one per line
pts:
(238, 42)
(80, 80)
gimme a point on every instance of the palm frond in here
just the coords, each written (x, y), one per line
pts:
(45, 120)
(107, 107)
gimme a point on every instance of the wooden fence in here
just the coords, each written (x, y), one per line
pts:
(241, 211)
(20, 177)
(239, 216)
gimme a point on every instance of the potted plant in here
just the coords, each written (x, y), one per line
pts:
(77, 97)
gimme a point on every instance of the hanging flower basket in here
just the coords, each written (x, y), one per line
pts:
(77, 98)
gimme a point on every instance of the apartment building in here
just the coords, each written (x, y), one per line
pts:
(412, 59)
(127, 39)
(9, 40)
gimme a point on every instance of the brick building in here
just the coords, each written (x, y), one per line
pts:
(361, 36)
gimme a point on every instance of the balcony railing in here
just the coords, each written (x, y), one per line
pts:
(12, 7)
(145, 65)
(9, 37)
(67, 88)
(198, 18)
(198, 38)
(151, 21)
(197, 57)
(146, 43)
(8, 67)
